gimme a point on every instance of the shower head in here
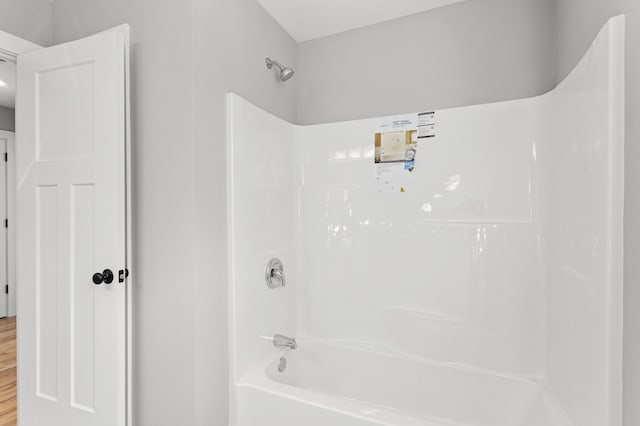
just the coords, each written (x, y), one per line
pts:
(285, 72)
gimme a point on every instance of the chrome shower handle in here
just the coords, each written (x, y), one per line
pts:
(274, 274)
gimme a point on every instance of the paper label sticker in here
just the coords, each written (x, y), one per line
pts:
(396, 147)
(426, 125)
(389, 177)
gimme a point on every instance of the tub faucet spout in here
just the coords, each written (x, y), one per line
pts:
(280, 341)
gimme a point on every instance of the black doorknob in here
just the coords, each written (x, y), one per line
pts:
(105, 277)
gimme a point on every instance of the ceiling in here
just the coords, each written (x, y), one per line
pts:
(8, 91)
(308, 19)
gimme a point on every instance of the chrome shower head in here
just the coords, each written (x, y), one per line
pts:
(285, 72)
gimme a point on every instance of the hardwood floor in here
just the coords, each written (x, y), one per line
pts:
(8, 371)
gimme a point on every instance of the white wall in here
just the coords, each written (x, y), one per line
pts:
(7, 119)
(582, 240)
(186, 56)
(467, 53)
(264, 177)
(27, 19)
(454, 259)
(577, 23)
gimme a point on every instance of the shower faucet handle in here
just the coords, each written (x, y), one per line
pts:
(274, 274)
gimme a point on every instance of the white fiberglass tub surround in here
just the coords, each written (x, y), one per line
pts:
(488, 294)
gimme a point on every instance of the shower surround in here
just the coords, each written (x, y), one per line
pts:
(488, 294)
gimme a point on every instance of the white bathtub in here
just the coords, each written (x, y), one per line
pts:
(339, 383)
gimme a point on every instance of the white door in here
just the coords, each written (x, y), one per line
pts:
(70, 169)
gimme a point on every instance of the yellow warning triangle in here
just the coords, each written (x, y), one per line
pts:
(402, 189)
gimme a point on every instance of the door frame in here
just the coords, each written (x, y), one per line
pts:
(11, 230)
(11, 47)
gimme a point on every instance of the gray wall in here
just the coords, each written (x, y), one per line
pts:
(468, 53)
(185, 56)
(7, 119)
(231, 40)
(578, 22)
(27, 19)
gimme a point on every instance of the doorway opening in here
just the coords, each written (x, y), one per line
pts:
(8, 359)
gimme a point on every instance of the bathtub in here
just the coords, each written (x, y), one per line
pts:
(343, 383)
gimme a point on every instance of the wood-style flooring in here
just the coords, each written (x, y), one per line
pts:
(8, 372)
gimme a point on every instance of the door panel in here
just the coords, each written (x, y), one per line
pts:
(83, 303)
(71, 224)
(65, 131)
(46, 291)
